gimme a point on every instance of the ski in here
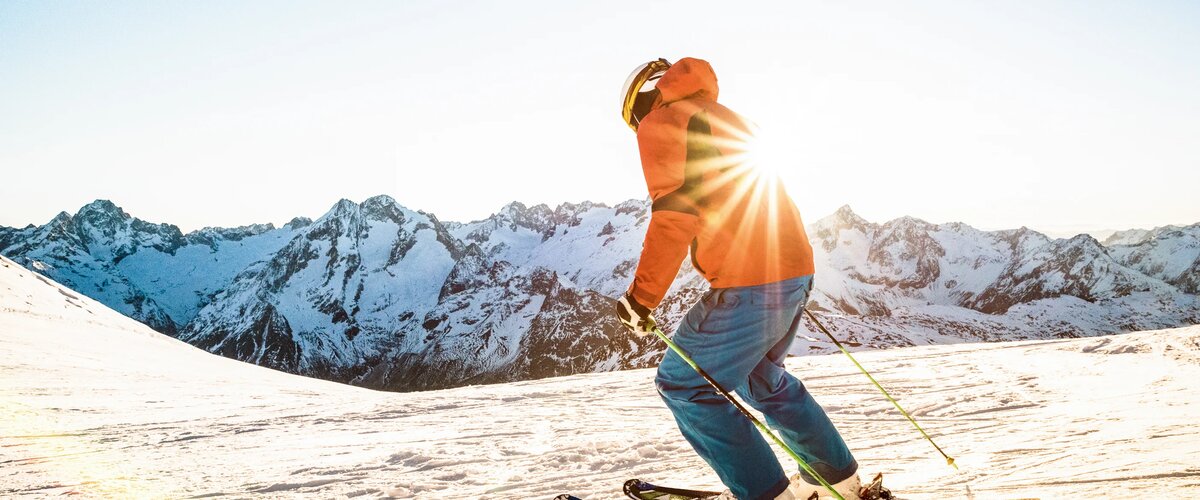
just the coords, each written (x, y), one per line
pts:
(641, 490)
(637, 489)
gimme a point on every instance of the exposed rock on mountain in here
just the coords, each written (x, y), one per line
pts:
(1170, 253)
(150, 272)
(378, 295)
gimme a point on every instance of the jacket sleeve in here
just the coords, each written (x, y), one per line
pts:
(674, 218)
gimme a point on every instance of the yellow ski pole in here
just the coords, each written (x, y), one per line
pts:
(949, 461)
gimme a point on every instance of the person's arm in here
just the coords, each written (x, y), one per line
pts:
(674, 218)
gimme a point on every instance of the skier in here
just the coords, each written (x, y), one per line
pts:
(747, 239)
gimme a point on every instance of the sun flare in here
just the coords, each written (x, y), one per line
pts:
(765, 154)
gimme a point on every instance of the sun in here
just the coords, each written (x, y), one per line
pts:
(754, 163)
(765, 153)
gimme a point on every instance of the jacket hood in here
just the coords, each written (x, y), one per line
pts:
(688, 78)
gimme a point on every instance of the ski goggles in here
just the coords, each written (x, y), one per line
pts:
(639, 91)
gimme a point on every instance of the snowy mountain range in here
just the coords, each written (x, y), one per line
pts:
(378, 295)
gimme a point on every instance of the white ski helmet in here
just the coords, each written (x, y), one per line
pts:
(639, 91)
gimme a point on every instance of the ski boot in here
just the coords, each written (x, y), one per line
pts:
(850, 488)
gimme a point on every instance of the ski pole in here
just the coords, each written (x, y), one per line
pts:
(763, 428)
(949, 461)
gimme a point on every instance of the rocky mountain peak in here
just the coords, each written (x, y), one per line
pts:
(538, 218)
(577, 208)
(1080, 246)
(827, 230)
(342, 209)
(102, 206)
(101, 214)
(1022, 237)
(110, 234)
(379, 199)
(58, 231)
(383, 208)
(634, 206)
(298, 223)
(843, 218)
(210, 235)
(513, 209)
(63, 218)
(342, 219)
(907, 227)
(570, 213)
(1139, 236)
(1085, 240)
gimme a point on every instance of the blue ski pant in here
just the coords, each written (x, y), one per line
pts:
(740, 336)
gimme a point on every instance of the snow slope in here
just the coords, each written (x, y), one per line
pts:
(98, 405)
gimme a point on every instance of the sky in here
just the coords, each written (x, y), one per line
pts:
(1060, 116)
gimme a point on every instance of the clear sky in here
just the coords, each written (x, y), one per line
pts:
(1061, 116)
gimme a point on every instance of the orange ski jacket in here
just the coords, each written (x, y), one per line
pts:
(741, 226)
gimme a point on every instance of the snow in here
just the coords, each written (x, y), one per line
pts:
(182, 281)
(99, 405)
(418, 279)
(577, 251)
(1172, 254)
(369, 291)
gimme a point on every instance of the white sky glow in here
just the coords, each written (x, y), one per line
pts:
(1061, 116)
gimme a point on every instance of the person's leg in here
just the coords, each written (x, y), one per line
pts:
(791, 409)
(727, 337)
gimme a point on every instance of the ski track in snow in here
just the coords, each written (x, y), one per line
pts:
(98, 405)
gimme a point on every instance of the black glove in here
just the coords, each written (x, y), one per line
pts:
(634, 316)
